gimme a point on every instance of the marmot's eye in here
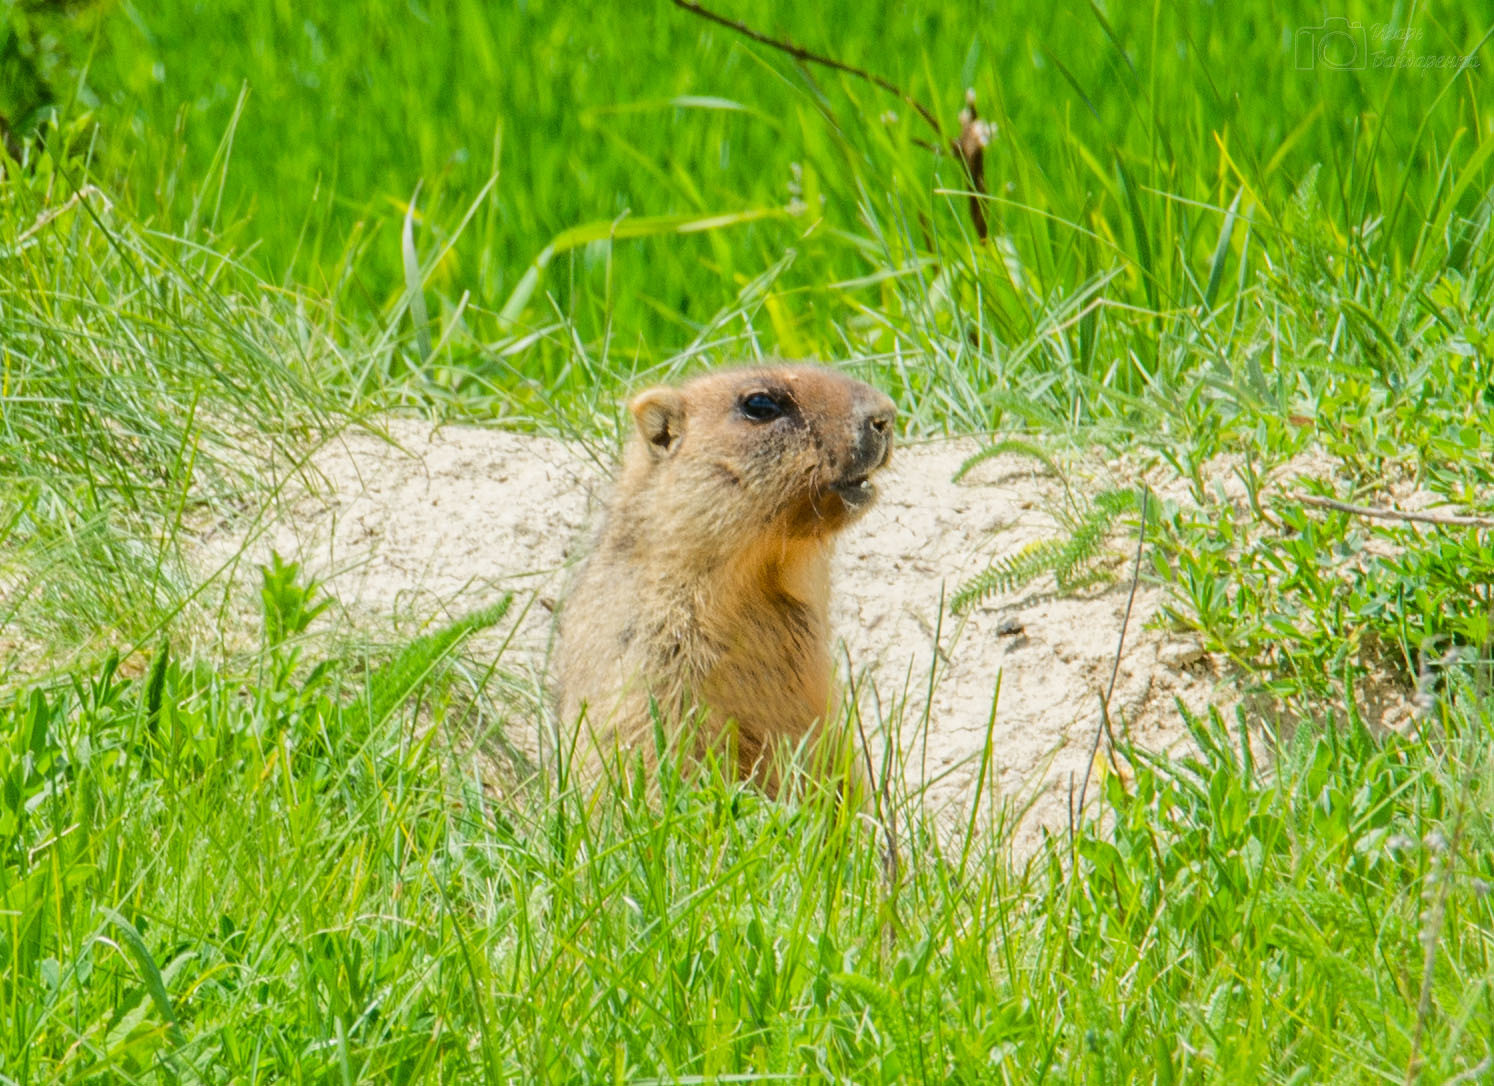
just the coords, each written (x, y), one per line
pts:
(761, 407)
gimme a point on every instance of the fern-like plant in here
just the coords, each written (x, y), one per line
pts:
(1070, 558)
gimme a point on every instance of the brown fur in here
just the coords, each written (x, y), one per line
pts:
(709, 586)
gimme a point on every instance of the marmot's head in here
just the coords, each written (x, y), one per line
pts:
(786, 451)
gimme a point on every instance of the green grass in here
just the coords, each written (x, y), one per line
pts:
(290, 861)
(252, 875)
(1173, 195)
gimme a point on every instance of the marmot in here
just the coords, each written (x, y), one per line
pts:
(709, 585)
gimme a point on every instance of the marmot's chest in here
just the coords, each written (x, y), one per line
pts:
(768, 661)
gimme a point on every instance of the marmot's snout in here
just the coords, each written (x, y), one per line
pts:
(874, 435)
(871, 447)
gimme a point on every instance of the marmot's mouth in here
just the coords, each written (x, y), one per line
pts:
(855, 492)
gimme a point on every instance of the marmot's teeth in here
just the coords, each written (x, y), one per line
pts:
(855, 492)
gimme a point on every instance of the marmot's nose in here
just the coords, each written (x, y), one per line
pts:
(876, 431)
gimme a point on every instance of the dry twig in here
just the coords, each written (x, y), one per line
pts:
(1447, 520)
(802, 54)
(969, 147)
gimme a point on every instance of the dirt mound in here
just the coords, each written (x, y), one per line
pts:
(439, 521)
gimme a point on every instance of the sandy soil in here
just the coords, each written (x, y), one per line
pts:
(441, 521)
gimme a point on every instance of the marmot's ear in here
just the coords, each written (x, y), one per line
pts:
(660, 415)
